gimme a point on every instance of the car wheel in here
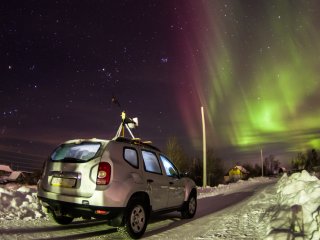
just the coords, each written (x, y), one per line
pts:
(63, 220)
(136, 219)
(190, 207)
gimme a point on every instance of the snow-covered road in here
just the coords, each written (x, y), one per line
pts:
(220, 213)
(260, 208)
(233, 214)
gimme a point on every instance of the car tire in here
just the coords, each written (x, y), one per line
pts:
(190, 207)
(63, 220)
(135, 221)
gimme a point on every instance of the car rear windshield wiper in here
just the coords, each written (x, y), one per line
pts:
(67, 159)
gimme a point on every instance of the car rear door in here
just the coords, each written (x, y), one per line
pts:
(72, 169)
(156, 180)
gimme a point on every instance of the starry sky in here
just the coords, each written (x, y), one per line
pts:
(252, 65)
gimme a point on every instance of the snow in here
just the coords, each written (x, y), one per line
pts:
(297, 213)
(289, 209)
(19, 202)
(14, 175)
(5, 168)
(222, 188)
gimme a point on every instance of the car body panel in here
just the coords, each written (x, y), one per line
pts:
(157, 189)
(71, 179)
(176, 192)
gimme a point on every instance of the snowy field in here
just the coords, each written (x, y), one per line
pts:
(289, 209)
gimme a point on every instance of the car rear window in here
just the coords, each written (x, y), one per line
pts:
(76, 152)
(131, 156)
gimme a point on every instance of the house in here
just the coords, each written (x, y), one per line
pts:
(236, 173)
(5, 170)
(8, 175)
(282, 170)
(17, 176)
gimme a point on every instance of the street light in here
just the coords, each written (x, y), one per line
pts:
(261, 162)
(204, 180)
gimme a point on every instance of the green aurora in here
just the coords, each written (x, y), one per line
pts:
(255, 69)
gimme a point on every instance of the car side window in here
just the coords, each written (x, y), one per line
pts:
(151, 163)
(170, 169)
(131, 156)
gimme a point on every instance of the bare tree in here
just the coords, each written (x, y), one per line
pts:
(176, 154)
(271, 165)
(299, 162)
(312, 160)
(215, 168)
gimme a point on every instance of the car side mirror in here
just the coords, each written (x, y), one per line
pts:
(184, 174)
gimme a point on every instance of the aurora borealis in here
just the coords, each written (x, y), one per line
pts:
(253, 65)
(255, 68)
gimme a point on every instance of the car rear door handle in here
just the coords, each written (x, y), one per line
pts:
(149, 181)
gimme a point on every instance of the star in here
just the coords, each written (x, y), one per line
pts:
(164, 60)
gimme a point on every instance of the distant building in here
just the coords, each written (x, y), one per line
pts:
(281, 170)
(17, 176)
(5, 170)
(236, 173)
(8, 175)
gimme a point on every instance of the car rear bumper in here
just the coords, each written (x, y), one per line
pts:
(109, 195)
(82, 210)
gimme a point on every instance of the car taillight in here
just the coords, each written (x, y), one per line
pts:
(104, 173)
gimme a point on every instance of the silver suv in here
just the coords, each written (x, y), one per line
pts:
(122, 180)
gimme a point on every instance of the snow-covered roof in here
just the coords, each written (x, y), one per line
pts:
(14, 175)
(283, 169)
(242, 169)
(5, 168)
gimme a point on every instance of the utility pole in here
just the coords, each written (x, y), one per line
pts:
(204, 180)
(261, 162)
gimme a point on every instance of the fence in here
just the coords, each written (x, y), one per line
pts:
(22, 162)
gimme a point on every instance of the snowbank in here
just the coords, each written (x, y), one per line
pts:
(297, 213)
(288, 210)
(19, 202)
(223, 188)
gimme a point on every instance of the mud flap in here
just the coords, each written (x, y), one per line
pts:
(117, 221)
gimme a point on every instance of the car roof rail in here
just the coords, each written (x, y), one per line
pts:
(136, 141)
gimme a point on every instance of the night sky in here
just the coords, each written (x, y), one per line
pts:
(253, 65)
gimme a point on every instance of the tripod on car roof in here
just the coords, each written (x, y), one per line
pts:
(128, 123)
